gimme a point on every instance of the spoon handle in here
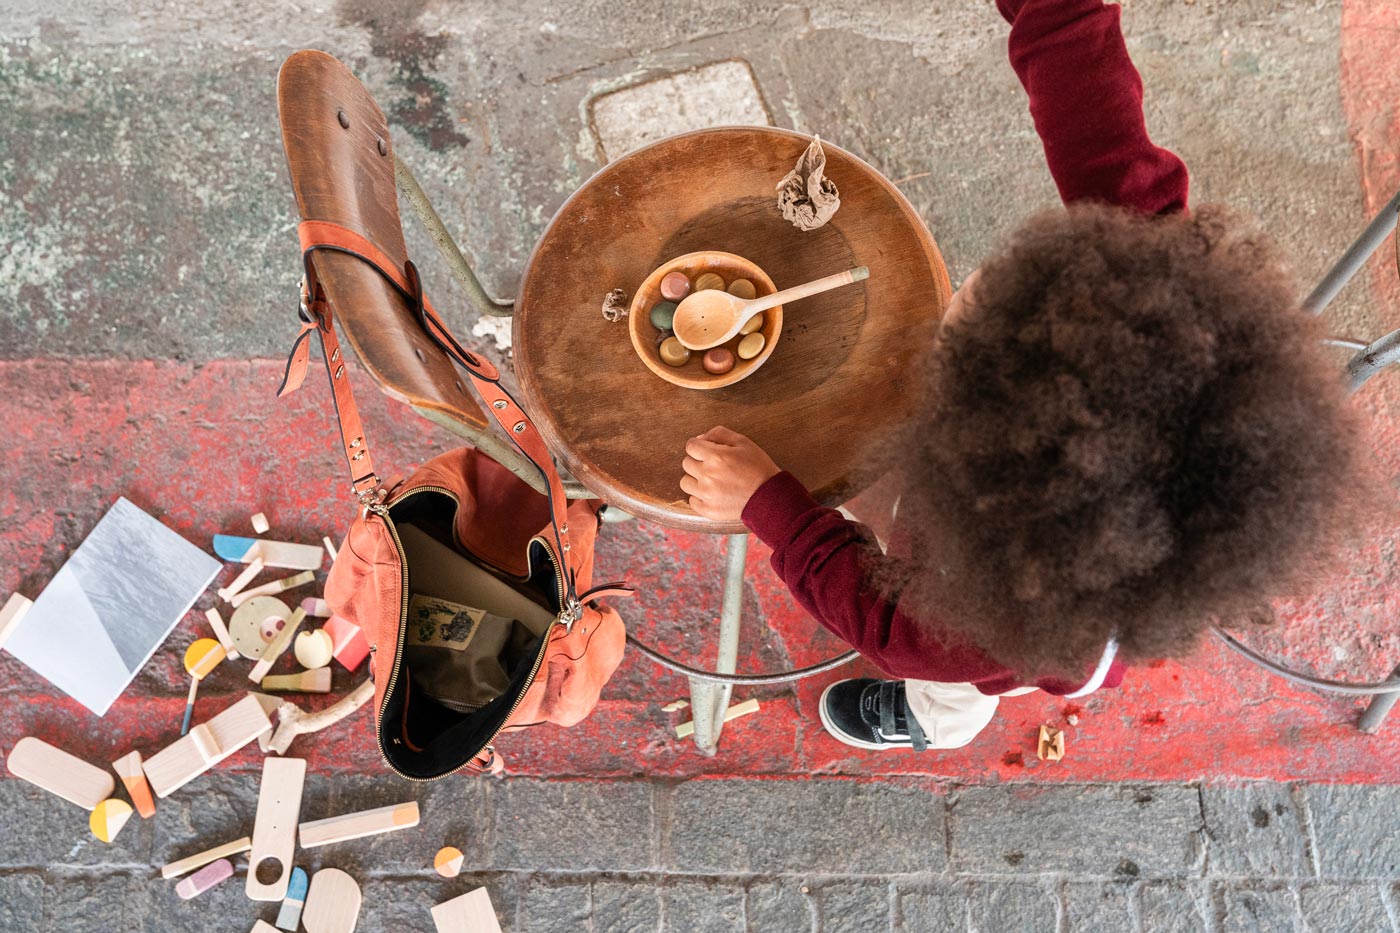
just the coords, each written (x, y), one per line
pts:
(826, 284)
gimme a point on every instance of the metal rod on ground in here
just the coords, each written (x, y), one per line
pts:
(1372, 359)
(708, 701)
(1354, 258)
(456, 262)
(1380, 706)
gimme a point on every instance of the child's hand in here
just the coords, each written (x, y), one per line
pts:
(723, 469)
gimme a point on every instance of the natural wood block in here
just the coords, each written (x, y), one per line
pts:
(13, 613)
(58, 772)
(191, 862)
(332, 903)
(274, 828)
(317, 681)
(470, 913)
(128, 768)
(184, 760)
(354, 825)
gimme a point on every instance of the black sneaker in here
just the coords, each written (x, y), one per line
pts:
(869, 713)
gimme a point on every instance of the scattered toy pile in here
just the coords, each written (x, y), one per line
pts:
(260, 629)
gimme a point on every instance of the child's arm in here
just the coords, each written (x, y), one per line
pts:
(824, 560)
(1086, 100)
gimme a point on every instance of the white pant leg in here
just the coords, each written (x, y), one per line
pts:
(952, 714)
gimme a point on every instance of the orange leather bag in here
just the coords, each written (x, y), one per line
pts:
(475, 591)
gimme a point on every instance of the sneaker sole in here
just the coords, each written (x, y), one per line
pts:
(845, 739)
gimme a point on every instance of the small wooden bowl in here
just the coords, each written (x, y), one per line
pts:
(646, 339)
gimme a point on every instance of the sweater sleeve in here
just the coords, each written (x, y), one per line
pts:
(1086, 101)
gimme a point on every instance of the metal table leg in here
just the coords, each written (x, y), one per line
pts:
(709, 701)
(1379, 707)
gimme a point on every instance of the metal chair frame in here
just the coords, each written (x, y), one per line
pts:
(710, 690)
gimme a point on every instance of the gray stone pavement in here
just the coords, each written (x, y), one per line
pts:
(783, 855)
(145, 214)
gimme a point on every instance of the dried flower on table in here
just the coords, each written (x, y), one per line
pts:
(615, 305)
(807, 198)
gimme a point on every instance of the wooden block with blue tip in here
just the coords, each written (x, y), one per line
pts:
(289, 917)
(273, 553)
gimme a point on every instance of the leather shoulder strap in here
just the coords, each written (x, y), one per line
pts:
(317, 320)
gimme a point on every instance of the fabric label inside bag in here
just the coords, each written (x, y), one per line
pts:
(438, 623)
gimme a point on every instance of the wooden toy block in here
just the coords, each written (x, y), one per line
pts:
(199, 859)
(207, 744)
(448, 861)
(329, 545)
(351, 646)
(259, 523)
(354, 825)
(289, 916)
(254, 568)
(332, 903)
(216, 622)
(58, 772)
(273, 553)
(269, 706)
(128, 768)
(470, 913)
(274, 587)
(316, 606)
(253, 624)
(262, 926)
(205, 878)
(317, 681)
(274, 827)
(274, 648)
(292, 722)
(687, 729)
(13, 613)
(313, 649)
(108, 818)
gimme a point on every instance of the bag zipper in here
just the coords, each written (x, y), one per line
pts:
(383, 512)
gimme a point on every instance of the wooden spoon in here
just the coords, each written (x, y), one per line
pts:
(708, 318)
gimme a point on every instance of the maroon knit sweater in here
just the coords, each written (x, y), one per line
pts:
(1086, 100)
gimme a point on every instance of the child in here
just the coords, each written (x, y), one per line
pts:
(1130, 431)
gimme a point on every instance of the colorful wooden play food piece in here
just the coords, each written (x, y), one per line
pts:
(675, 286)
(354, 825)
(316, 606)
(718, 361)
(750, 347)
(201, 657)
(205, 878)
(191, 862)
(661, 314)
(351, 646)
(274, 827)
(314, 649)
(207, 744)
(742, 288)
(448, 861)
(289, 917)
(470, 913)
(753, 324)
(317, 681)
(250, 628)
(709, 280)
(259, 523)
(672, 353)
(128, 768)
(332, 903)
(108, 818)
(273, 553)
(58, 772)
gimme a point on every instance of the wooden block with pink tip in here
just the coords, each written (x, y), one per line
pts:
(351, 646)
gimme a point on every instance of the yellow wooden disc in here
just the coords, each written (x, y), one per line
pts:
(109, 817)
(448, 861)
(707, 281)
(202, 656)
(752, 324)
(742, 288)
(751, 346)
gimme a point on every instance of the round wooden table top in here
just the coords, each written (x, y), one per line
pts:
(840, 379)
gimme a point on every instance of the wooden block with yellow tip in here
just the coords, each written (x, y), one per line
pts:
(108, 818)
(317, 681)
(354, 825)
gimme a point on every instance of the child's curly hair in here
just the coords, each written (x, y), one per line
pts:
(1133, 431)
